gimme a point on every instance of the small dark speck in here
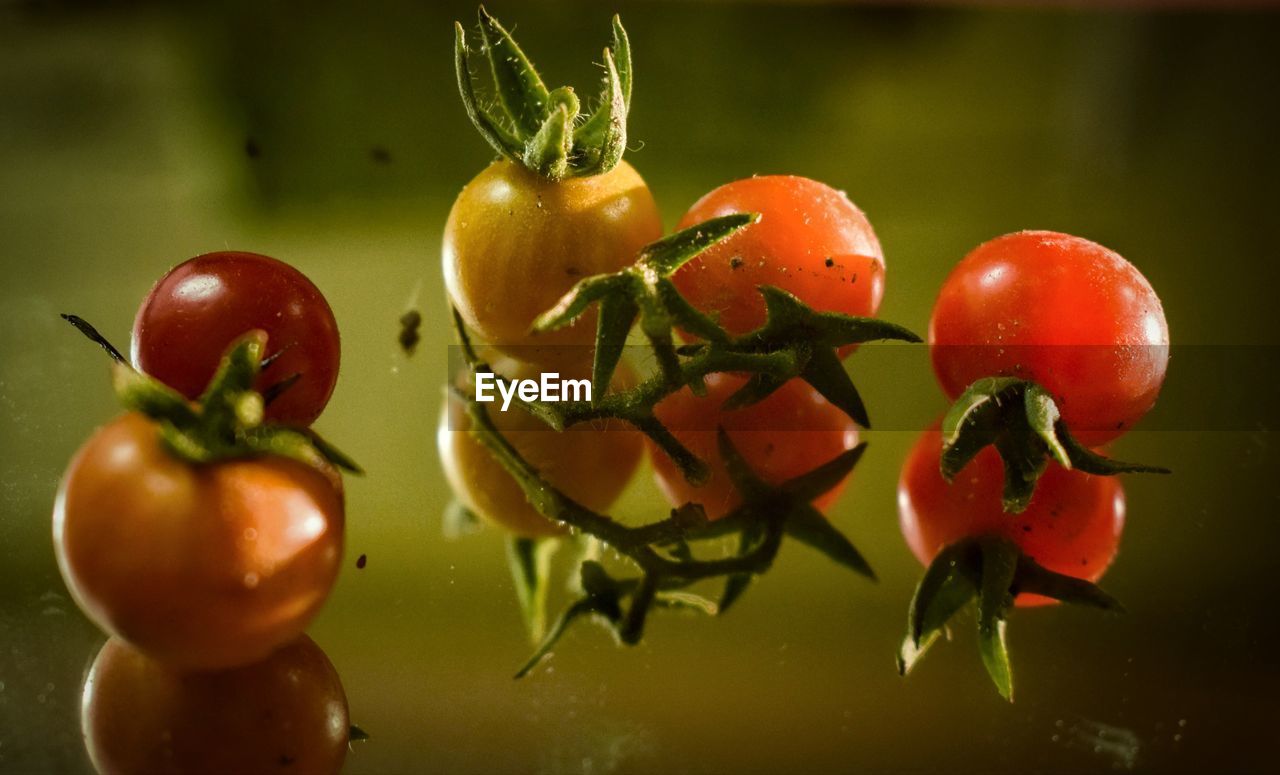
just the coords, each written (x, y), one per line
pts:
(573, 271)
(286, 760)
(380, 154)
(251, 148)
(1084, 561)
(1120, 425)
(735, 262)
(361, 561)
(830, 262)
(409, 337)
(1026, 528)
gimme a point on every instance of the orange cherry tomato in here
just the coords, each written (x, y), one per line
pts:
(200, 566)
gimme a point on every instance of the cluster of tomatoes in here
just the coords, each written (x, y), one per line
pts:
(518, 239)
(537, 238)
(201, 552)
(1084, 324)
(203, 529)
(1063, 325)
(1070, 322)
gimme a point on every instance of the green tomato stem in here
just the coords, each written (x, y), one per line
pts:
(226, 422)
(795, 341)
(545, 131)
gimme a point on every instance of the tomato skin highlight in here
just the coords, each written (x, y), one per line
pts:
(1072, 525)
(810, 240)
(1062, 311)
(201, 306)
(516, 242)
(590, 462)
(200, 566)
(789, 433)
(287, 713)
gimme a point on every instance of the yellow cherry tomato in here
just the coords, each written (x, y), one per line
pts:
(516, 242)
(590, 462)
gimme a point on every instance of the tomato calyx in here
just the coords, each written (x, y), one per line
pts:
(645, 290)
(226, 422)
(1022, 421)
(545, 130)
(993, 571)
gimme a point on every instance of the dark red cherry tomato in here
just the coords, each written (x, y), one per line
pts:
(186, 323)
(1072, 526)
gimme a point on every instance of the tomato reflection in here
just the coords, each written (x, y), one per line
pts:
(287, 713)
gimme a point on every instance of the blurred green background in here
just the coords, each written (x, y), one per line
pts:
(124, 130)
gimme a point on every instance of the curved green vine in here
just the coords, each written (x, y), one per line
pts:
(794, 342)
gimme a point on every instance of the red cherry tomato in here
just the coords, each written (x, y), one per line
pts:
(200, 566)
(810, 240)
(1072, 526)
(1062, 311)
(789, 433)
(192, 315)
(285, 714)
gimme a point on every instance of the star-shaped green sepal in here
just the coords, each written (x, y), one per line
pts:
(1022, 421)
(545, 130)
